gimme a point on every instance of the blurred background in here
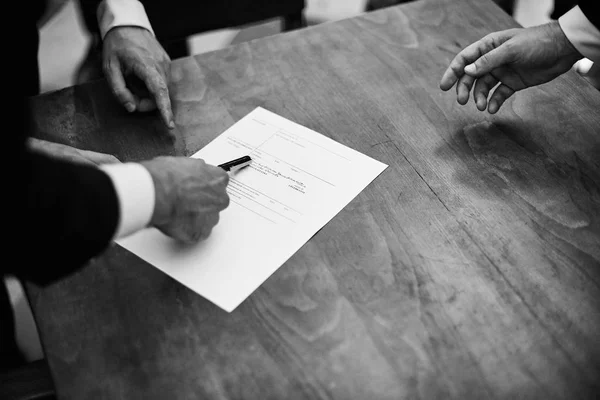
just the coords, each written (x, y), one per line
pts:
(64, 45)
(65, 41)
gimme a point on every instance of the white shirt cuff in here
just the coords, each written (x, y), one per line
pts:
(135, 192)
(113, 13)
(584, 36)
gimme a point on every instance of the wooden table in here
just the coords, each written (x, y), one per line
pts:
(469, 269)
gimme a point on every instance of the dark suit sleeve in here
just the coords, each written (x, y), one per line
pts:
(88, 10)
(591, 10)
(57, 215)
(60, 214)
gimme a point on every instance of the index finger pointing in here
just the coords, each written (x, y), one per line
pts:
(470, 54)
(157, 86)
(456, 69)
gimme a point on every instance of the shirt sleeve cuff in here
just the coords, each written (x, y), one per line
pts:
(584, 36)
(135, 192)
(113, 13)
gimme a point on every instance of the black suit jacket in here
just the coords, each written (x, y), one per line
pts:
(59, 214)
(591, 9)
(177, 19)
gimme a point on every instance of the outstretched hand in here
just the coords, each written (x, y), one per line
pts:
(509, 61)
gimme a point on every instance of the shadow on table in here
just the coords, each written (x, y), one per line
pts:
(560, 191)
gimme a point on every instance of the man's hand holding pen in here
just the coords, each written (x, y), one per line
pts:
(189, 195)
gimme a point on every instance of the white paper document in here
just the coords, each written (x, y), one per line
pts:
(298, 180)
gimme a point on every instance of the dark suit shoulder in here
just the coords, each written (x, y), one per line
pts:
(591, 9)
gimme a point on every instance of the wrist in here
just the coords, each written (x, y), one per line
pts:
(114, 13)
(566, 50)
(160, 176)
(134, 188)
(122, 30)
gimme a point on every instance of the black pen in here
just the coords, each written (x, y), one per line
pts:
(236, 164)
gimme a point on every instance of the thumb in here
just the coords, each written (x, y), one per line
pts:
(489, 61)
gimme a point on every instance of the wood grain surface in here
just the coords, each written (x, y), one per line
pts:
(469, 269)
